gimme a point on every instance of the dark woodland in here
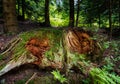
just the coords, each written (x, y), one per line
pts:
(59, 42)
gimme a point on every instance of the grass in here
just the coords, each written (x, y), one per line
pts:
(53, 35)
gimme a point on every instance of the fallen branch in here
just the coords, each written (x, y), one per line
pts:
(31, 78)
(11, 44)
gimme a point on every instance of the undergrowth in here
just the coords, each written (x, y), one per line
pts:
(107, 74)
(104, 74)
(99, 76)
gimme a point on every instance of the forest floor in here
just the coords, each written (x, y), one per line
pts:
(24, 73)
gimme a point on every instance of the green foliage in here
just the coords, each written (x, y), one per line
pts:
(105, 45)
(58, 18)
(115, 45)
(86, 81)
(114, 58)
(21, 81)
(100, 76)
(75, 58)
(59, 22)
(91, 12)
(109, 66)
(54, 35)
(1, 57)
(2, 66)
(58, 76)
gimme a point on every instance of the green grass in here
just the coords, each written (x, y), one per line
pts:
(53, 35)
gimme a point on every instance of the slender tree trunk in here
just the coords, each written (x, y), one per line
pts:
(89, 22)
(99, 20)
(18, 2)
(23, 9)
(78, 9)
(110, 19)
(9, 12)
(119, 13)
(1, 7)
(47, 18)
(71, 17)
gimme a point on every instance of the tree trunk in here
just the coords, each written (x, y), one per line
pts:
(99, 20)
(71, 17)
(9, 11)
(58, 49)
(78, 8)
(119, 13)
(47, 18)
(18, 11)
(110, 19)
(23, 10)
(1, 7)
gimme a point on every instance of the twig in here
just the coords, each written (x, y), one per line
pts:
(31, 78)
(99, 46)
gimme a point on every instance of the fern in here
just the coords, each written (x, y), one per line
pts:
(100, 76)
(59, 77)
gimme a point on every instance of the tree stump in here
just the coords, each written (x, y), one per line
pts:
(54, 48)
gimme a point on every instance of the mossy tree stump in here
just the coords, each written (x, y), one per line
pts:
(54, 48)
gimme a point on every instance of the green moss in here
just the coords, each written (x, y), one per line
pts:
(20, 81)
(2, 66)
(53, 35)
(1, 57)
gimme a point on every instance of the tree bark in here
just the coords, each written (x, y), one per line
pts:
(23, 9)
(119, 13)
(71, 16)
(77, 16)
(9, 12)
(99, 20)
(1, 7)
(18, 11)
(47, 18)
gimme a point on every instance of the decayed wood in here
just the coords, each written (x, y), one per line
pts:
(59, 50)
(23, 59)
(10, 45)
(38, 47)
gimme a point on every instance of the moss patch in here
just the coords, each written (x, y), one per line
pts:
(53, 35)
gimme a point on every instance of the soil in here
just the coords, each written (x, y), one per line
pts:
(23, 74)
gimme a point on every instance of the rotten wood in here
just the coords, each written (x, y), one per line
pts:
(58, 49)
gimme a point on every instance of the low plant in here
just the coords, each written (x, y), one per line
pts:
(57, 76)
(99, 76)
